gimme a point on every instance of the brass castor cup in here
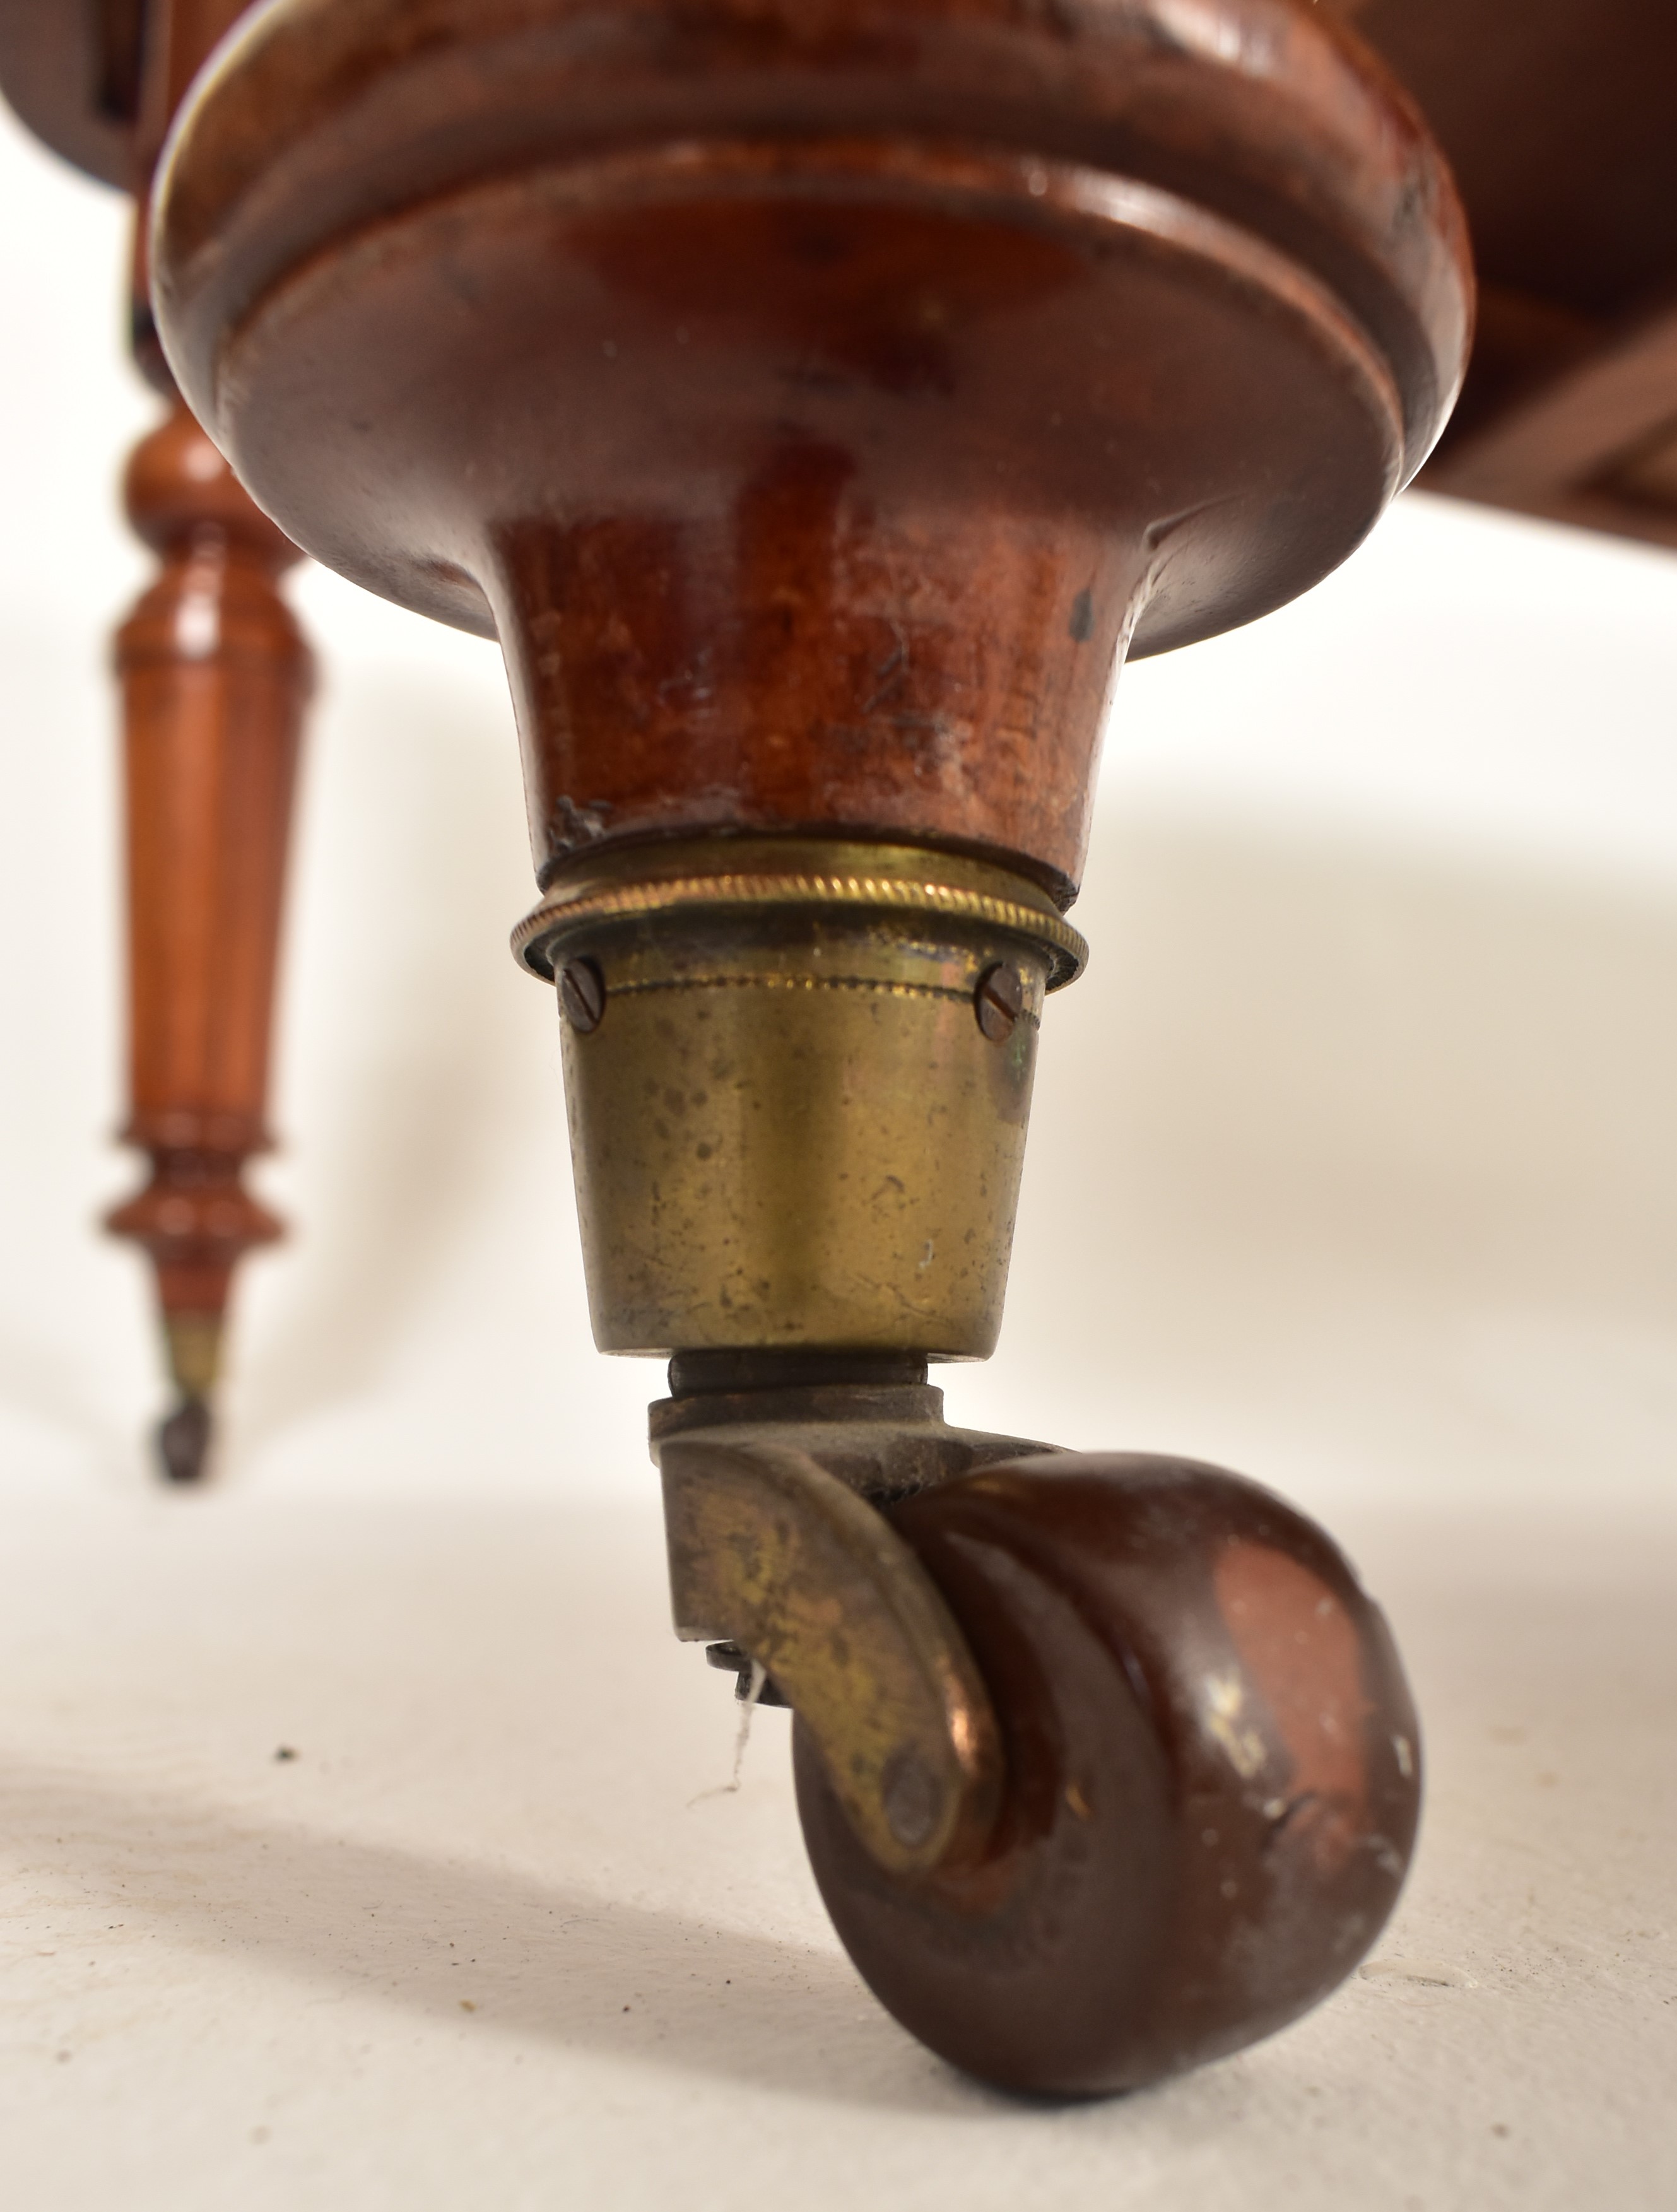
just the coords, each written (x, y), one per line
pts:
(819, 406)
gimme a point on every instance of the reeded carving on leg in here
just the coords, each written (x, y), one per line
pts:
(214, 676)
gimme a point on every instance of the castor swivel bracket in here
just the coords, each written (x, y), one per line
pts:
(781, 1559)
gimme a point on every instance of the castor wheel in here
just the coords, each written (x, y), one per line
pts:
(1106, 1763)
(1211, 1784)
(819, 406)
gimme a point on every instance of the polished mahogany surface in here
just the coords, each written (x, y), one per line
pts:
(1558, 117)
(72, 73)
(215, 677)
(817, 407)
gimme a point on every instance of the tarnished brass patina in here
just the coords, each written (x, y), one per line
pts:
(793, 1122)
(769, 1552)
(884, 1442)
(193, 1341)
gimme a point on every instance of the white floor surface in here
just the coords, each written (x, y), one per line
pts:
(493, 1937)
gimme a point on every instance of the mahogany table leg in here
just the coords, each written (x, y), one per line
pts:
(214, 675)
(818, 405)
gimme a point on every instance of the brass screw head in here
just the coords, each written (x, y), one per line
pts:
(582, 994)
(998, 1000)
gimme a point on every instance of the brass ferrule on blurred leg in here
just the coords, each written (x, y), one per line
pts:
(798, 1075)
(193, 1341)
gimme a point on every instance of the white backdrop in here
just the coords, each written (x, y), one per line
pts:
(1353, 1159)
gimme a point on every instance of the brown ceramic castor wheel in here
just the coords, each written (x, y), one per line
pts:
(1211, 1778)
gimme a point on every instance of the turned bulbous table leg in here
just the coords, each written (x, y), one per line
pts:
(215, 677)
(819, 408)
